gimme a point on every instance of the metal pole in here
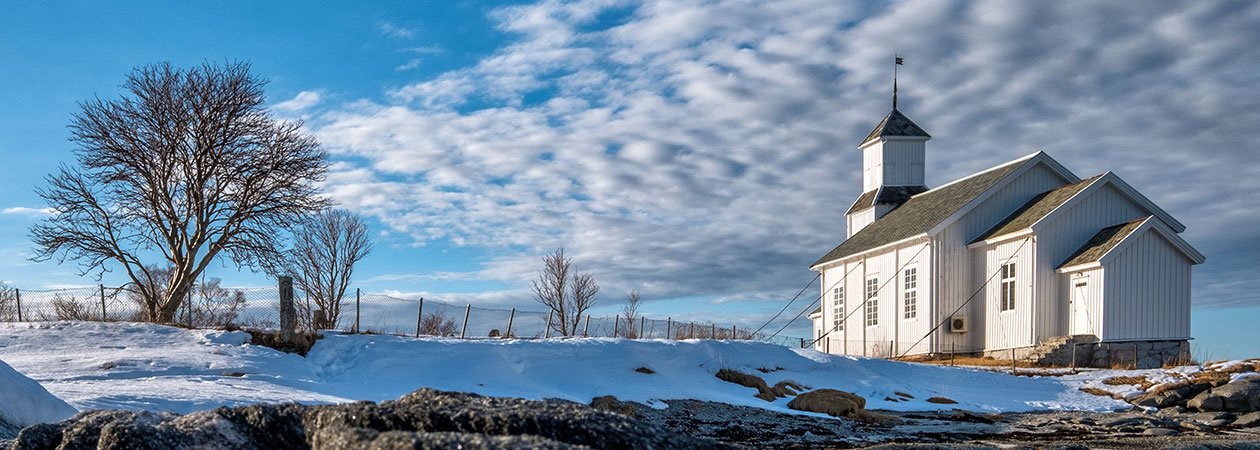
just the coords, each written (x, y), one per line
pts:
(733, 336)
(419, 316)
(547, 332)
(1073, 341)
(1135, 356)
(588, 326)
(616, 322)
(1013, 361)
(951, 354)
(640, 327)
(511, 316)
(713, 331)
(18, 294)
(102, 303)
(463, 331)
(356, 310)
(669, 327)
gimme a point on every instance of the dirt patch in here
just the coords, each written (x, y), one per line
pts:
(302, 341)
(610, 404)
(765, 392)
(941, 401)
(1141, 381)
(1096, 391)
(836, 404)
(645, 370)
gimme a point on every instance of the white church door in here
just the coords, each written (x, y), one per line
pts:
(1081, 323)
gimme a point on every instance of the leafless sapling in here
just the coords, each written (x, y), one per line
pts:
(630, 313)
(567, 295)
(187, 165)
(323, 257)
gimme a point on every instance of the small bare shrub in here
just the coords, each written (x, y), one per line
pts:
(436, 324)
(8, 303)
(69, 308)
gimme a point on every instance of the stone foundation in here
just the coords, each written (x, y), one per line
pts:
(1148, 354)
(1057, 352)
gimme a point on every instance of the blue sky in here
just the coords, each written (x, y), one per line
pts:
(702, 152)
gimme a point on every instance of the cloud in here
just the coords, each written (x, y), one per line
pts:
(707, 148)
(395, 31)
(25, 211)
(414, 63)
(299, 103)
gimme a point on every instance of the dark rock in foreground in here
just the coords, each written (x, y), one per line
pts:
(420, 420)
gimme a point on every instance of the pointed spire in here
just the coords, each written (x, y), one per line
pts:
(897, 61)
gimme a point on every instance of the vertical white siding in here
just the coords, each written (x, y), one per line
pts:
(957, 271)
(1061, 236)
(872, 167)
(1006, 329)
(892, 334)
(903, 162)
(1147, 293)
(860, 219)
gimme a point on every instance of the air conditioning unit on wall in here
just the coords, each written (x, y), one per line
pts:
(958, 324)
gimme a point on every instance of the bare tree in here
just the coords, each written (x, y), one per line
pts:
(568, 296)
(186, 164)
(323, 257)
(8, 302)
(214, 305)
(630, 312)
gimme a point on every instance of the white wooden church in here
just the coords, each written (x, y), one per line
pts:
(1008, 258)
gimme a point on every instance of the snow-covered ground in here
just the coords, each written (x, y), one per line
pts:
(24, 402)
(145, 366)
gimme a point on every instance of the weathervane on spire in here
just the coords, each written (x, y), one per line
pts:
(897, 61)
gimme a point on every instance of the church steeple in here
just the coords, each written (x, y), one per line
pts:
(892, 165)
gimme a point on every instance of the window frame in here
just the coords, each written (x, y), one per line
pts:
(871, 304)
(1007, 286)
(910, 293)
(837, 308)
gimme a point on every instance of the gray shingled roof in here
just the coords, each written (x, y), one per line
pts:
(895, 124)
(1106, 239)
(887, 195)
(920, 213)
(1037, 208)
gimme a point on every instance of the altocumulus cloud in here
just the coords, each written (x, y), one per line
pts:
(707, 148)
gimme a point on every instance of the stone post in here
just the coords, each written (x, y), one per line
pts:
(288, 315)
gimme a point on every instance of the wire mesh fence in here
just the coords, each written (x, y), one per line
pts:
(211, 306)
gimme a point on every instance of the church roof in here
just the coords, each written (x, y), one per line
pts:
(895, 124)
(1106, 239)
(1037, 208)
(921, 212)
(885, 195)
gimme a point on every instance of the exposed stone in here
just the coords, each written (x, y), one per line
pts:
(422, 419)
(610, 404)
(1160, 432)
(1206, 402)
(941, 401)
(1248, 420)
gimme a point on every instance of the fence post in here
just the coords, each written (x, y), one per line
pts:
(616, 323)
(511, 317)
(713, 331)
(463, 331)
(419, 316)
(640, 327)
(547, 331)
(1013, 361)
(586, 329)
(18, 294)
(691, 331)
(951, 354)
(288, 315)
(669, 328)
(356, 310)
(102, 302)
(733, 336)
(1135, 356)
(1073, 341)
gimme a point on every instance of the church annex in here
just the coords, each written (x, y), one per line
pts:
(1020, 256)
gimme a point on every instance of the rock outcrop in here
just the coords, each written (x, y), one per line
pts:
(422, 419)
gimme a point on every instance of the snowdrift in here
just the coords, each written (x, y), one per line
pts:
(144, 366)
(23, 402)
